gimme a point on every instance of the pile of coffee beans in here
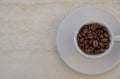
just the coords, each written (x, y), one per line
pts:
(93, 39)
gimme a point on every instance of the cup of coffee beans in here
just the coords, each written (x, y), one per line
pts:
(93, 40)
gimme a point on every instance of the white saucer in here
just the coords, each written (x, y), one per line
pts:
(69, 53)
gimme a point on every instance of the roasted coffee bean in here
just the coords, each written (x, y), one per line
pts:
(94, 33)
(90, 36)
(106, 44)
(93, 39)
(106, 35)
(87, 51)
(86, 37)
(89, 27)
(83, 34)
(78, 39)
(107, 47)
(81, 40)
(97, 52)
(91, 53)
(100, 31)
(89, 32)
(80, 35)
(81, 45)
(95, 43)
(104, 40)
(87, 46)
(85, 26)
(85, 30)
(85, 42)
(101, 36)
(105, 29)
(98, 39)
(101, 44)
(101, 49)
(90, 42)
(94, 27)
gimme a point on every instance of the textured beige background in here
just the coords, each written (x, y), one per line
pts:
(28, 38)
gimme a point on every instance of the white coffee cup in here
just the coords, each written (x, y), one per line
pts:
(112, 40)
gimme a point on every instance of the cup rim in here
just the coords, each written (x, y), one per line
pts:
(94, 56)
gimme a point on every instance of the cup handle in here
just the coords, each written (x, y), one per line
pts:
(117, 38)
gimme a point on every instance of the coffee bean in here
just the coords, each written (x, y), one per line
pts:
(101, 36)
(107, 47)
(101, 49)
(87, 46)
(87, 51)
(93, 39)
(90, 42)
(106, 35)
(101, 44)
(99, 31)
(104, 40)
(83, 34)
(89, 27)
(85, 30)
(94, 27)
(81, 45)
(85, 26)
(89, 32)
(98, 39)
(105, 29)
(95, 43)
(80, 35)
(90, 36)
(97, 51)
(85, 42)
(81, 40)
(105, 43)
(94, 33)
(91, 53)
(78, 39)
